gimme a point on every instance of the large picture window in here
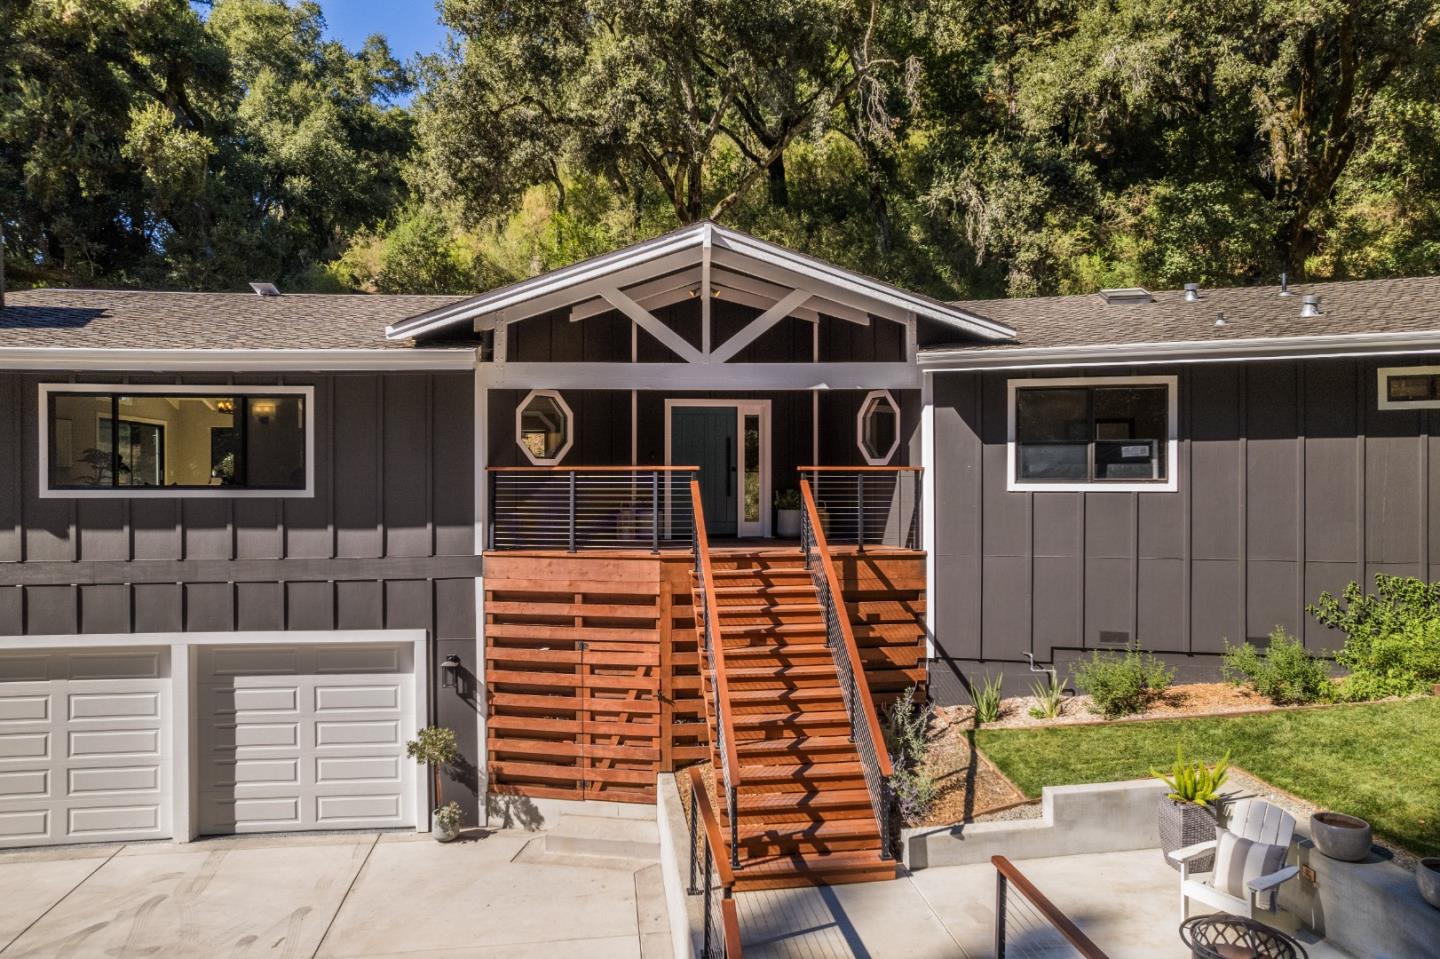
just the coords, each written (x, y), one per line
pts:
(140, 440)
(1114, 433)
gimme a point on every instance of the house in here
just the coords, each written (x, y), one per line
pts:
(250, 543)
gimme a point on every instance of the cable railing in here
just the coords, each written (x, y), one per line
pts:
(854, 688)
(715, 661)
(711, 876)
(590, 507)
(1027, 924)
(869, 505)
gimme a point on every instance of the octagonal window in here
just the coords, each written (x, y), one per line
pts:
(878, 427)
(544, 427)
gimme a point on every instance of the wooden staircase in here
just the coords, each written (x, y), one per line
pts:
(805, 815)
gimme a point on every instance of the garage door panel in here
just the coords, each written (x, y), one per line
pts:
(322, 749)
(22, 746)
(254, 662)
(106, 706)
(84, 755)
(24, 708)
(109, 666)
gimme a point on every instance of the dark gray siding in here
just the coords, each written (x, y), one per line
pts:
(1291, 481)
(386, 542)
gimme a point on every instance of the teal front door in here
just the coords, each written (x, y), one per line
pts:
(705, 436)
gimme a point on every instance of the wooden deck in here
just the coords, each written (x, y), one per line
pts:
(592, 665)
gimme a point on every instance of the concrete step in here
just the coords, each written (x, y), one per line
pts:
(577, 835)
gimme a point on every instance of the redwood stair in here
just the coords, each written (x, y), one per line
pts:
(805, 814)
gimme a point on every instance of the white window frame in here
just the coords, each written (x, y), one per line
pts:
(569, 428)
(171, 492)
(1382, 381)
(1172, 444)
(872, 397)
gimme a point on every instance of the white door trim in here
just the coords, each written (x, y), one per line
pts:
(185, 817)
(742, 409)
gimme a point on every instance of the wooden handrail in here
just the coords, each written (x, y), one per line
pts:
(862, 684)
(711, 824)
(592, 469)
(731, 919)
(707, 583)
(858, 469)
(1062, 923)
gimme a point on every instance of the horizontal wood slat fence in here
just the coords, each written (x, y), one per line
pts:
(592, 666)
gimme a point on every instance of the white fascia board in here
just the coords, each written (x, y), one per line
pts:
(861, 286)
(701, 376)
(222, 361)
(594, 268)
(1196, 351)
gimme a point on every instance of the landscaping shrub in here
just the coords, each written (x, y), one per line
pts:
(987, 699)
(905, 729)
(1122, 684)
(1049, 697)
(1284, 673)
(1392, 637)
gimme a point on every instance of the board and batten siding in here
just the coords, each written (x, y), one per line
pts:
(387, 541)
(1291, 482)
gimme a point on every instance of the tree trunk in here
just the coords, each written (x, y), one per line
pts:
(779, 189)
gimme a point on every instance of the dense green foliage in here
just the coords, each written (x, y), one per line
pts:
(1284, 673)
(1392, 636)
(1377, 761)
(960, 147)
(1122, 684)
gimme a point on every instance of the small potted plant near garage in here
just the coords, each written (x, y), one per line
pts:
(1187, 810)
(787, 514)
(1342, 837)
(435, 746)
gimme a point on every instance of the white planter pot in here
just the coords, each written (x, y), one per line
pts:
(787, 523)
(441, 833)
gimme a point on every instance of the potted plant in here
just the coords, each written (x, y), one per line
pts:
(787, 514)
(435, 746)
(1187, 813)
(1342, 837)
(1427, 877)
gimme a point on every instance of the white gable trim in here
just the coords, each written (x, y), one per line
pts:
(699, 244)
(230, 361)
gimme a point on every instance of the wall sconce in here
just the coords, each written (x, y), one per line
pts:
(449, 670)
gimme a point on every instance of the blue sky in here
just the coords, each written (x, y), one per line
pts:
(411, 26)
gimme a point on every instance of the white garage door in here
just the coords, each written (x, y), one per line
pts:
(305, 737)
(84, 746)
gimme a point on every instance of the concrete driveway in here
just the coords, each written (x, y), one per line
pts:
(352, 895)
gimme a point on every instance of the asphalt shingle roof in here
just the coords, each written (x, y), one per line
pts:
(1406, 305)
(135, 319)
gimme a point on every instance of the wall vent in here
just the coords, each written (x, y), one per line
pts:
(1113, 639)
(1126, 296)
(265, 289)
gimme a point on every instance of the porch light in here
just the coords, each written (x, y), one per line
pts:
(449, 670)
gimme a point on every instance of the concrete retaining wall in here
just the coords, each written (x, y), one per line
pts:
(1100, 817)
(1369, 908)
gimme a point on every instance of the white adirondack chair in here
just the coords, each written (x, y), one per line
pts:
(1251, 819)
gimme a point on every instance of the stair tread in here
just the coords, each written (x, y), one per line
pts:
(789, 649)
(795, 744)
(751, 720)
(777, 609)
(762, 802)
(781, 696)
(763, 589)
(824, 829)
(780, 672)
(814, 862)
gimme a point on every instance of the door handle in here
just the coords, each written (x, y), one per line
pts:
(729, 471)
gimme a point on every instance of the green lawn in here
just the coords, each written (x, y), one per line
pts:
(1380, 761)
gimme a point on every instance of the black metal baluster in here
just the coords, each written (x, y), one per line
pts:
(571, 514)
(655, 512)
(695, 832)
(860, 510)
(999, 916)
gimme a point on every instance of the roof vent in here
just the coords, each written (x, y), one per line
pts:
(1285, 285)
(1126, 296)
(1220, 320)
(1192, 292)
(1310, 305)
(265, 289)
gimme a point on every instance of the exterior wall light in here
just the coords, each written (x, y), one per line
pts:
(449, 670)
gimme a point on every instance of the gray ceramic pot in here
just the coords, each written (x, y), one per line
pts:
(442, 832)
(1427, 877)
(1341, 837)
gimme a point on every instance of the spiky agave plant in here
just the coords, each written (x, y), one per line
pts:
(1194, 782)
